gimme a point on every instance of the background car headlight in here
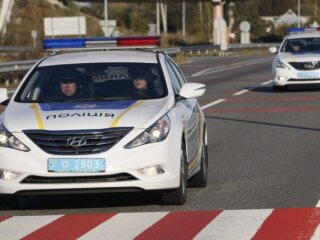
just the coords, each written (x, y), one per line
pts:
(156, 133)
(9, 141)
(280, 64)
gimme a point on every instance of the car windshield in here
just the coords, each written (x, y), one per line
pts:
(93, 82)
(301, 45)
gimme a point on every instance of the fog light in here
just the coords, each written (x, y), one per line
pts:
(151, 171)
(281, 78)
(8, 175)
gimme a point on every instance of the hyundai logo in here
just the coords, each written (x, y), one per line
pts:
(76, 141)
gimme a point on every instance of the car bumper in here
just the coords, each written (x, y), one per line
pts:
(285, 78)
(119, 161)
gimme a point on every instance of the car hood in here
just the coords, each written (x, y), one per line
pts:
(299, 57)
(90, 115)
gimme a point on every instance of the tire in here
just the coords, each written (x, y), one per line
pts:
(178, 196)
(279, 88)
(9, 201)
(201, 178)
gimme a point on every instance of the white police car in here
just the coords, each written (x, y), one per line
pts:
(104, 136)
(298, 60)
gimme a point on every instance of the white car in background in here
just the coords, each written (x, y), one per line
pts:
(298, 59)
(106, 139)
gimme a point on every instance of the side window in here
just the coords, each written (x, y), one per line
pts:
(175, 82)
(178, 72)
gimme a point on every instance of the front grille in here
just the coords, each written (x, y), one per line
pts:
(305, 66)
(82, 179)
(86, 141)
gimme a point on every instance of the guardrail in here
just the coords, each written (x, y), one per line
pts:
(16, 66)
(15, 49)
(26, 65)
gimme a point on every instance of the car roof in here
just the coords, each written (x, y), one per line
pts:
(303, 35)
(133, 56)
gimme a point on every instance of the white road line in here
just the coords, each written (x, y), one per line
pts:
(234, 224)
(240, 92)
(249, 62)
(213, 103)
(20, 226)
(316, 235)
(214, 70)
(135, 223)
(318, 204)
(206, 70)
(228, 67)
(267, 82)
(221, 70)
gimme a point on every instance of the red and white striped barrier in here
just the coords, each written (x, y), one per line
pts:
(267, 224)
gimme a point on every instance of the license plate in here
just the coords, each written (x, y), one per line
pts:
(76, 165)
(308, 74)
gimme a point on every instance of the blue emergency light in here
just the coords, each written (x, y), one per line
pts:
(299, 30)
(101, 43)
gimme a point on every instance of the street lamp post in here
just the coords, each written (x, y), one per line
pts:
(106, 18)
(299, 15)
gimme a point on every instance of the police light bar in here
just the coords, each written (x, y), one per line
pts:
(52, 44)
(299, 30)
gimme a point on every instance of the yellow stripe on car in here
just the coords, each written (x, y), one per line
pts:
(37, 115)
(115, 122)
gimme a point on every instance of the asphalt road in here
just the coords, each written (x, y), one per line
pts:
(263, 150)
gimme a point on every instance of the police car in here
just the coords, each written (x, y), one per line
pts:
(105, 137)
(297, 60)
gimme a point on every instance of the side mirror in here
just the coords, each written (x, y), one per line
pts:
(3, 94)
(192, 90)
(273, 50)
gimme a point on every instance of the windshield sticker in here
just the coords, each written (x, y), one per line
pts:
(83, 106)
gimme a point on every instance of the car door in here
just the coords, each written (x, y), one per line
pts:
(188, 109)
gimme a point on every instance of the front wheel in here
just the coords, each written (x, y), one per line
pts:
(279, 88)
(178, 196)
(9, 201)
(201, 178)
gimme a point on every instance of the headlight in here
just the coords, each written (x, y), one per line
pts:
(156, 133)
(280, 64)
(9, 141)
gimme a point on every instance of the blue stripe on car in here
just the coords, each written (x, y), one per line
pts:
(86, 105)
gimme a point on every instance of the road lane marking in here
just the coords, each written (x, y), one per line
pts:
(135, 224)
(251, 62)
(234, 224)
(318, 204)
(69, 226)
(19, 226)
(316, 235)
(270, 110)
(267, 82)
(214, 70)
(289, 224)
(228, 67)
(294, 223)
(240, 92)
(213, 103)
(206, 70)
